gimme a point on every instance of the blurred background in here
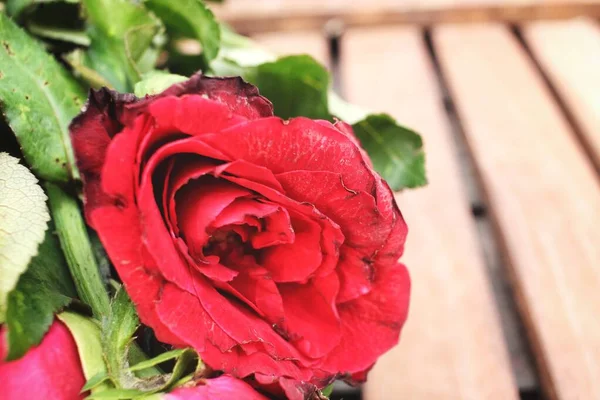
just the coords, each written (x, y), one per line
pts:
(503, 246)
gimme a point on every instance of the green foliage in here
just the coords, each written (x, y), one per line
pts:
(23, 221)
(38, 98)
(396, 152)
(191, 19)
(44, 289)
(86, 334)
(155, 82)
(78, 251)
(121, 32)
(117, 334)
(118, 329)
(297, 86)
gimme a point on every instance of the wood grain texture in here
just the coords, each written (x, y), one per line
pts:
(452, 345)
(276, 15)
(543, 195)
(311, 42)
(569, 53)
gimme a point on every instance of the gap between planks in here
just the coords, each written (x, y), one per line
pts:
(567, 53)
(452, 342)
(544, 198)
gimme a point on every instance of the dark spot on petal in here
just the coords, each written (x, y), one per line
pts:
(370, 271)
(120, 203)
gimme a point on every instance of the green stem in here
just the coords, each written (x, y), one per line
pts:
(78, 251)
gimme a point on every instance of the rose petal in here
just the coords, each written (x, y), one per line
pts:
(354, 211)
(192, 114)
(295, 262)
(257, 286)
(224, 388)
(91, 133)
(198, 204)
(240, 97)
(371, 324)
(121, 235)
(36, 376)
(297, 144)
(276, 220)
(311, 315)
(356, 273)
(331, 235)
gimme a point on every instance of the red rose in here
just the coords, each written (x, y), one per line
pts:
(269, 246)
(222, 388)
(51, 370)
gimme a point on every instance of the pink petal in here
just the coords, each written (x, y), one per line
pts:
(297, 144)
(199, 203)
(310, 318)
(371, 324)
(36, 376)
(224, 388)
(295, 262)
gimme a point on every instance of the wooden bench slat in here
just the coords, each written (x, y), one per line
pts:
(311, 42)
(569, 52)
(452, 345)
(544, 197)
(276, 15)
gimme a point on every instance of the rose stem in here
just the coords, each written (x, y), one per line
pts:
(76, 246)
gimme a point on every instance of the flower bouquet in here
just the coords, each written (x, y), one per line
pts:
(215, 225)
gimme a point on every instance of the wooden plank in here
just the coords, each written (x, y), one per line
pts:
(452, 345)
(312, 42)
(569, 53)
(543, 195)
(275, 15)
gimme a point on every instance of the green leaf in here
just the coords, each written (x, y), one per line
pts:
(136, 355)
(78, 251)
(396, 152)
(44, 289)
(23, 220)
(117, 333)
(94, 381)
(181, 365)
(190, 18)
(184, 358)
(86, 333)
(57, 33)
(120, 31)
(77, 61)
(39, 99)
(297, 86)
(169, 355)
(116, 394)
(327, 390)
(155, 82)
